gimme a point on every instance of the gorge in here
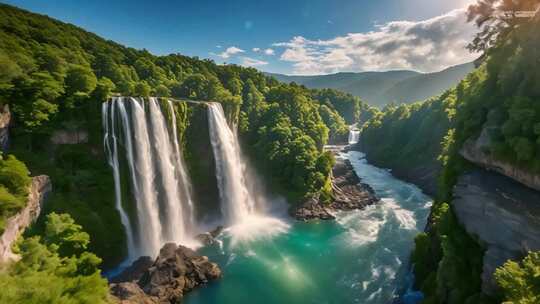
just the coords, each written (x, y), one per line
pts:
(128, 177)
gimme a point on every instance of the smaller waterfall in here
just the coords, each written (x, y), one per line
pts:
(237, 203)
(112, 157)
(238, 199)
(354, 134)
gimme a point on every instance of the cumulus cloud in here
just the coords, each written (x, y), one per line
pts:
(252, 62)
(256, 50)
(232, 50)
(427, 46)
(269, 52)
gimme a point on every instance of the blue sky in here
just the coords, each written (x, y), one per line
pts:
(293, 37)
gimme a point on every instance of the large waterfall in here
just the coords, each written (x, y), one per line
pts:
(161, 207)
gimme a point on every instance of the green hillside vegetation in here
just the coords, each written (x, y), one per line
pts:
(55, 76)
(55, 268)
(14, 186)
(501, 92)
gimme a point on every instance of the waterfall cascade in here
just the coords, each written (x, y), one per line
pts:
(239, 204)
(163, 209)
(354, 134)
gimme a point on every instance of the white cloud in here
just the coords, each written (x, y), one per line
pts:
(269, 52)
(252, 62)
(232, 50)
(427, 46)
(256, 50)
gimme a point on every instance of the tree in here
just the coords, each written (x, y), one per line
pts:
(141, 89)
(80, 79)
(162, 91)
(520, 281)
(496, 19)
(61, 230)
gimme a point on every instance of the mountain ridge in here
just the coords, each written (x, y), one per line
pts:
(381, 88)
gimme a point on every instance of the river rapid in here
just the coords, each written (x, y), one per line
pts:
(362, 257)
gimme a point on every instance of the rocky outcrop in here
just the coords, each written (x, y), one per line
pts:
(313, 209)
(478, 152)
(176, 271)
(5, 121)
(69, 137)
(502, 214)
(348, 194)
(40, 187)
(209, 238)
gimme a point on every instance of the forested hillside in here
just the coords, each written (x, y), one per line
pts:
(54, 77)
(501, 95)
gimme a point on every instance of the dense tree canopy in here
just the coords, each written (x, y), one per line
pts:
(55, 76)
(55, 269)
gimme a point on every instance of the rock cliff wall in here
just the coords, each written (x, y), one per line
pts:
(503, 214)
(40, 187)
(5, 121)
(477, 151)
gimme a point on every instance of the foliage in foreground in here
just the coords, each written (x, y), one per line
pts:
(14, 184)
(55, 268)
(520, 281)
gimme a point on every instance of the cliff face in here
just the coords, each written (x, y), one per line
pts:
(201, 164)
(5, 121)
(504, 215)
(40, 187)
(477, 151)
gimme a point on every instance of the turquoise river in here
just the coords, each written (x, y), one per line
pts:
(362, 257)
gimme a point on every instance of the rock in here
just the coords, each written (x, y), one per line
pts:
(312, 209)
(478, 152)
(131, 293)
(504, 216)
(5, 122)
(15, 225)
(135, 271)
(176, 270)
(69, 137)
(349, 194)
(208, 238)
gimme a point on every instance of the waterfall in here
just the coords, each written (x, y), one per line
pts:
(161, 192)
(354, 134)
(236, 201)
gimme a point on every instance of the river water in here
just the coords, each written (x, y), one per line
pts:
(362, 257)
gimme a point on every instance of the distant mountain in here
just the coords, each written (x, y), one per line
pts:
(380, 88)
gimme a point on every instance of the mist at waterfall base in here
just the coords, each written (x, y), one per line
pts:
(362, 257)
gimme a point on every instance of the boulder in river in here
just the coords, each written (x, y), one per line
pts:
(175, 271)
(348, 194)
